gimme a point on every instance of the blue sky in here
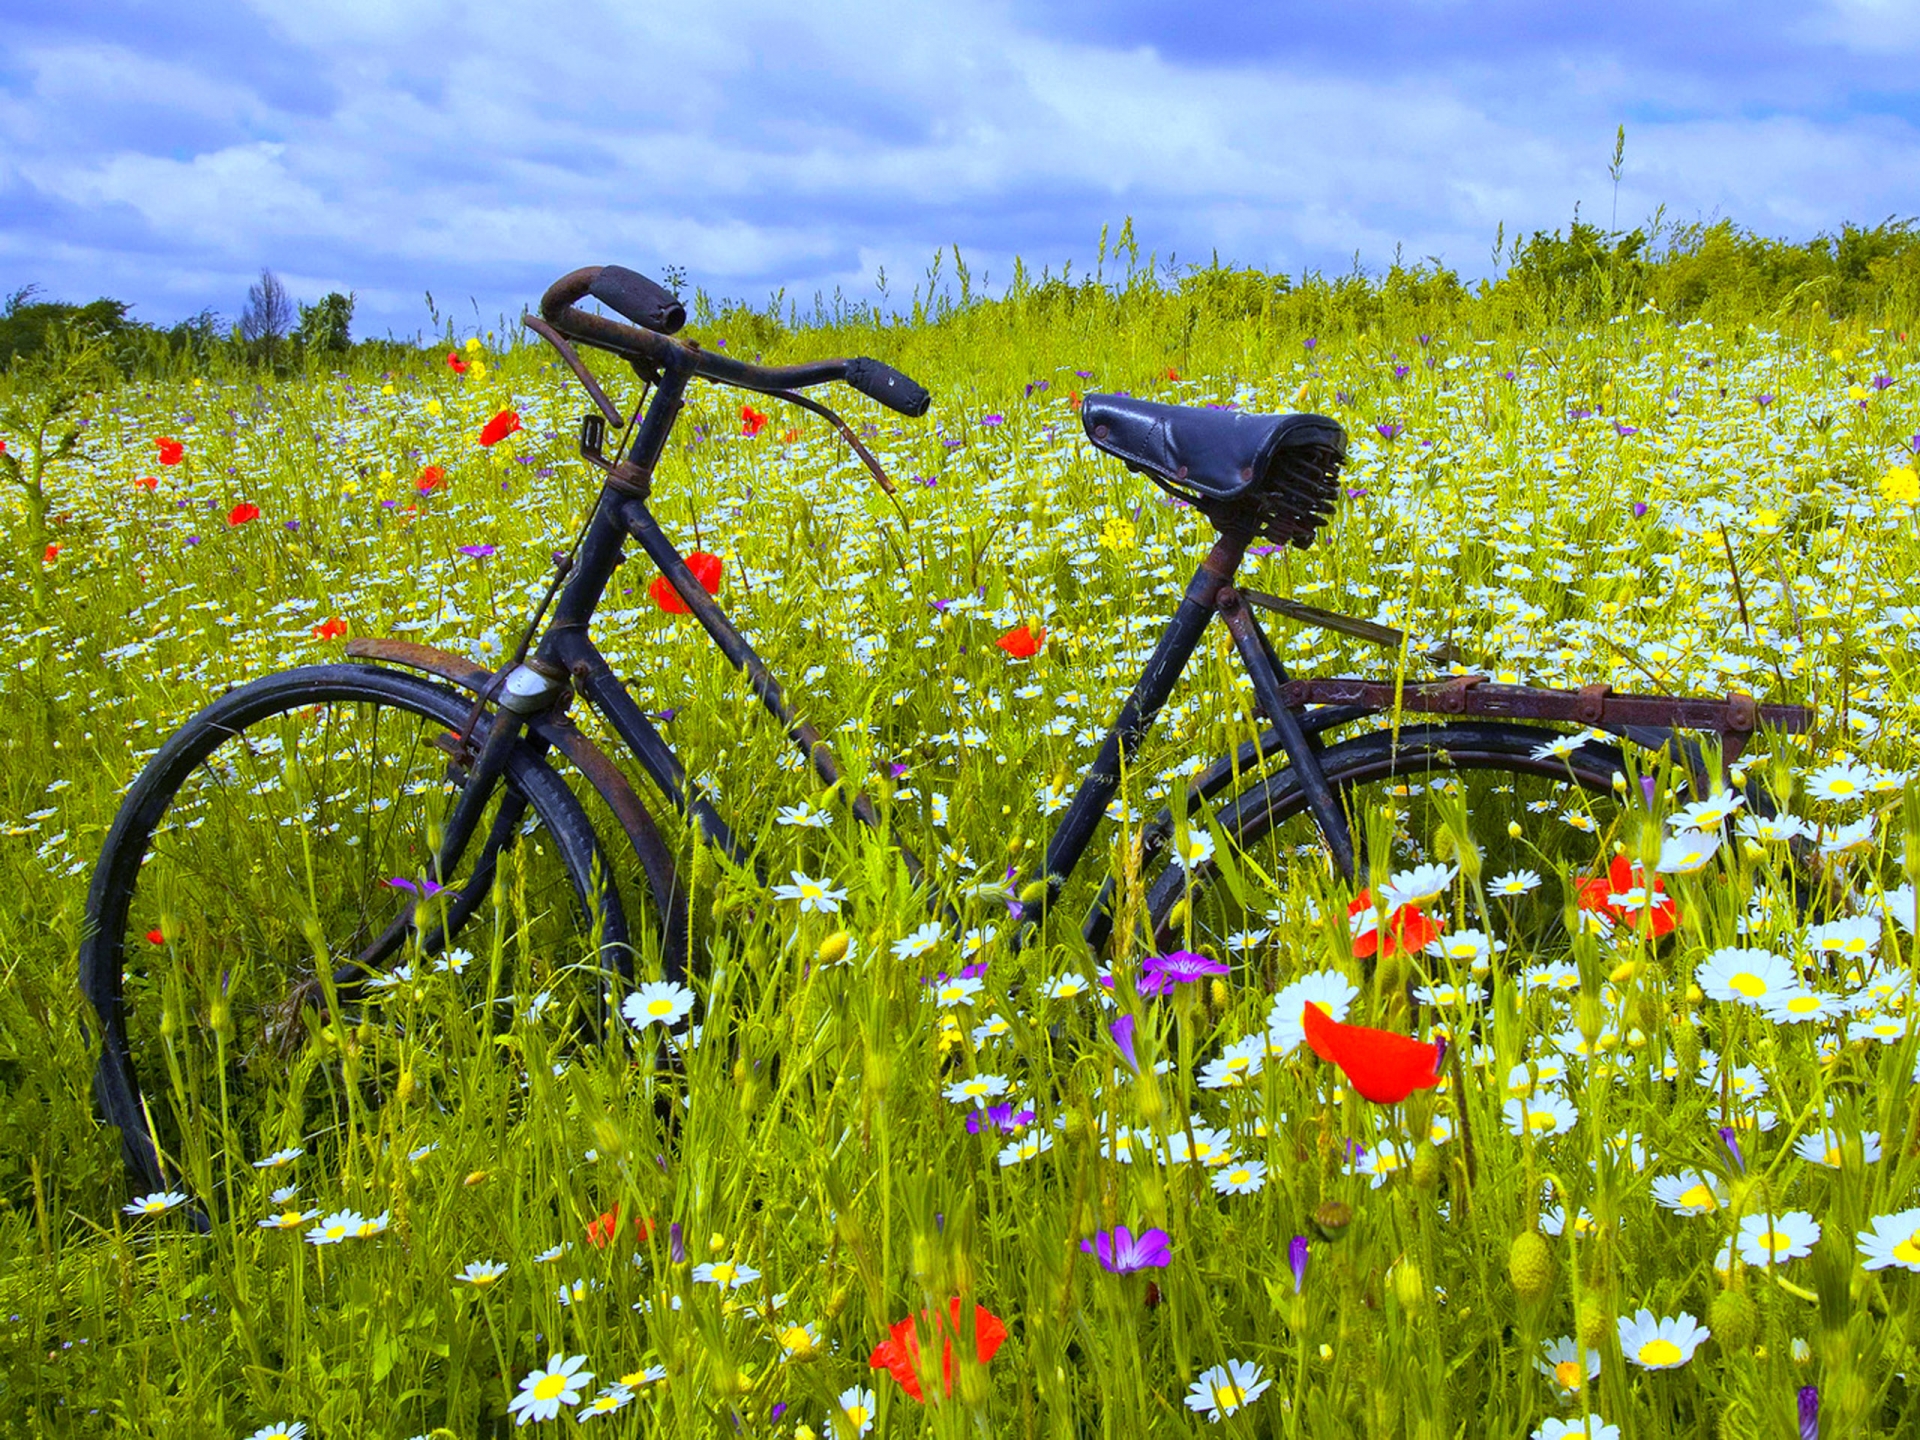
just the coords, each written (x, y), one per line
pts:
(163, 152)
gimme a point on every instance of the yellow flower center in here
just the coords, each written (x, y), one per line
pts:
(974, 1087)
(1699, 1197)
(858, 1415)
(1776, 1241)
(797, 1339)
(659, 1007)
(1833, 1156)
(1907, 1252)
(1803, 1004)
(723, 1273)
(549, 1387)
(1239, 1177)
(1228, 1397)
(1841, 786)
(1541, 1120)
(1659, 1351)
(1567, 1374)
(1748, 984)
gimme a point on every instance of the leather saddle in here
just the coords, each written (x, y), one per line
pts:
(1279, 471)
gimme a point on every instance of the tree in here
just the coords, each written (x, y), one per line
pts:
(269, 313)
(325, 327)
(41, 414)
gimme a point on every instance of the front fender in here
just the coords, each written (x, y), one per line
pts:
(560, 733)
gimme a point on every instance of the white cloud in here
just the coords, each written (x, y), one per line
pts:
(472, 150)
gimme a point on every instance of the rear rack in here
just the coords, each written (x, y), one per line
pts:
(1735, 718)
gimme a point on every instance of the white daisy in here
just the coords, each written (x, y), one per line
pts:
(856, 1411)
(658, 1002)
(1688, 851)
(1418, 886)
(543, 1392)
(815, 895)
(613, 1398)
(1828, 1147)
(1842, 780)
(1708, 814)
(158, 1203)
(1891, 1240)
(1226, 1388)
(725, 1274)
(1691, 1192)
(1559, 1360)
(1240, 1177)
(976, 1090)
(907, 947)
(1769, 1239)
(1514, 883)
(1324, 987)
(1663, 1343)
(1746, 977)
(1545, 1114)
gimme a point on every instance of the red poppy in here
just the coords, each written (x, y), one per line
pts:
(499, 427)
(52, 550)
(900, 1354)
(1409, 929)
(752, 422)
(1073, 399)
(3, 444)
(1382, 1066)
(1624, 876)
(706, 569)
(601, 1230)
(1022, 644)
(155, 937)
(455, 363)
(429, 477)
(146, 482)
(170, 450)
(331, 628)
(243, 512)
(1172, 374)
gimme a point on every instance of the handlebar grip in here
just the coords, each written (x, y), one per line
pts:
(633, 295)
(887, 385)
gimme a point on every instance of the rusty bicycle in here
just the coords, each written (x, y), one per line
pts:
(307, 838)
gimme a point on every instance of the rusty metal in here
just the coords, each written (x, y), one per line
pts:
(455, 669)
(574, 363)
(1390, 636)
(794, 397)
(1738, 714)
(562, 734)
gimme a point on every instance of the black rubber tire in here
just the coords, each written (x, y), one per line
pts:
(1417, 750)
(135, 876)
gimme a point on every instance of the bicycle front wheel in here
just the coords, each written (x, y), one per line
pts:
(1533, 815)
(269, 949)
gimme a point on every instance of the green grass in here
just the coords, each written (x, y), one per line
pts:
(817, 1147)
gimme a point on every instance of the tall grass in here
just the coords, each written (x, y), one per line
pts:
(1573, 501)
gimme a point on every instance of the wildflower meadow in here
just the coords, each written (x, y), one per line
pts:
(1585, 1119)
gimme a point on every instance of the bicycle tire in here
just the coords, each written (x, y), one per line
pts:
(1269, 803)
(176, 898)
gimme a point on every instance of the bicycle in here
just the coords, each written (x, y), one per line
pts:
(318, 824)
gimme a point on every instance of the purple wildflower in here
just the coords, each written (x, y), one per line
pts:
(1310, 342)
(1647, 787)
(1341, 397)
(1121, 1252)
(1297, 1262)
(193, 539)
(1623, 430)
(676, 1243)
(1639, 509)
(1763, 400)
(1809, 1398)
(1728, 1139)
(779, 1406)
(1353, 494)
(1400, 372)
(398, 882)
(896, 770)
(1000, 1117)
(1084, 374)
(478, 552)
(1578, 412)
(1388, 430)
(1881, 382)
(994, 420)
(1178, 967)
(1121, 1032)
(1508, 375)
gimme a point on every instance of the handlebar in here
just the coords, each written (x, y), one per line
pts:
(641, 299)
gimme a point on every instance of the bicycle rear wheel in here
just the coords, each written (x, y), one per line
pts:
(1566, 812)
(268, 949)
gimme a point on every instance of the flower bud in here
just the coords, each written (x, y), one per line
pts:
(1331, 1218)
(833, 949)
(1593, 1324)
(1514, 831)
(1530, 1266)
(1408, 1286)
(1732, 1320)
(1425, 1171)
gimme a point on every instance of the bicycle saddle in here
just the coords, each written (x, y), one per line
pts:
(1281, 466)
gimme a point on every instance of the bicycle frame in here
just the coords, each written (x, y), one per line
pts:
(566, 653)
